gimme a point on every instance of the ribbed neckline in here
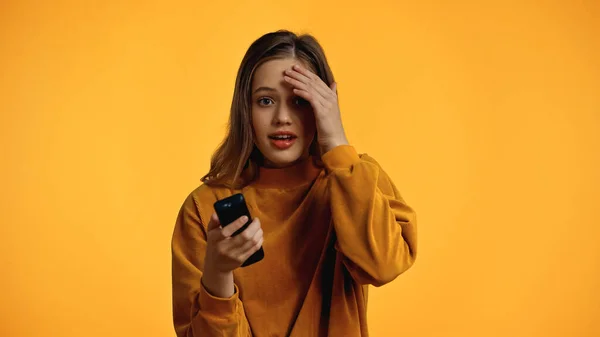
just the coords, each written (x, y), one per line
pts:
(298, 174)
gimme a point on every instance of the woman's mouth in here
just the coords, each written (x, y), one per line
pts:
(283, 141)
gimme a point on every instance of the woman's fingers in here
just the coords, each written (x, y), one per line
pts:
(253, 249)
(213, 223)
(307, 80)
(324, 93)
(306, 76)
(295, 82)
(247, 234)
(242, 245)
(250, 246)
(315, 99)
(228, 230)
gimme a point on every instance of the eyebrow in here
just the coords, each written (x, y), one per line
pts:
(263, 89)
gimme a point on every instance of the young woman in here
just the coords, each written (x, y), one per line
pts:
(330, 221)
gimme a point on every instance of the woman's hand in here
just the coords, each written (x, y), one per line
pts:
(225, 253)
(323, 100)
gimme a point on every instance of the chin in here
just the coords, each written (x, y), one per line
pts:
(282, 158)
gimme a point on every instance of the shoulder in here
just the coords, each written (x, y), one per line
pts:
(203, 193)
(203, 197)
(384, 181)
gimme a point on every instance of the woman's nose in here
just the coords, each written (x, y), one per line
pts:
(282, 115)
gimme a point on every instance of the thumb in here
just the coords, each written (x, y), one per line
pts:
(214, 222)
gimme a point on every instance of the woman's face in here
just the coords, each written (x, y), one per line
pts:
(283, 123)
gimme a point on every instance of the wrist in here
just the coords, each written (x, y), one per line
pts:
(218, 283)
(330, 145)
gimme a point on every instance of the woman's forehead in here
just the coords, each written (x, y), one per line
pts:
(270, 74)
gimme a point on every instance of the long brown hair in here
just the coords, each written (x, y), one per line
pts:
(237, 152)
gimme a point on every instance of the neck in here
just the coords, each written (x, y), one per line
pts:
(298, 173)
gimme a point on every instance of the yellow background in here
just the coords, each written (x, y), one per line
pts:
(485, 114)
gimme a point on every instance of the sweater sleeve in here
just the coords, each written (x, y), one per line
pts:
(196, 313)
(375, 228)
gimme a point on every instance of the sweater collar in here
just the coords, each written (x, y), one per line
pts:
(298, 174)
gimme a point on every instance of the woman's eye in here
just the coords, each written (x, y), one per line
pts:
(265, 101)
